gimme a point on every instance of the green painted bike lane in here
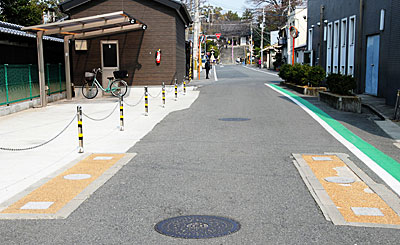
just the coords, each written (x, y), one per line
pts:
(384, 161)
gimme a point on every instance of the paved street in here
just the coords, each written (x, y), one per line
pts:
(193, 163)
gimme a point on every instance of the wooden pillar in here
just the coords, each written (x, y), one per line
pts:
(67, 67)
(42, 81)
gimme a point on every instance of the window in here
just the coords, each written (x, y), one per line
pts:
(352, 42)
(343, 44)
(310, 37)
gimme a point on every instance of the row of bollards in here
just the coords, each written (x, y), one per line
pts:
(121, 110)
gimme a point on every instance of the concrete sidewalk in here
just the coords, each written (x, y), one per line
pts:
(20, 169)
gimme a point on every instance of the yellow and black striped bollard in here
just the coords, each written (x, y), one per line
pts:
(80, 130)
(163, 94)
(184, 87)
(176, 90)
(146, 101)
(121, 113)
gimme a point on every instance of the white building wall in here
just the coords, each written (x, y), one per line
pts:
(298, 19)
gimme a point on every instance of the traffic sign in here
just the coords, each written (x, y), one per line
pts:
(218, 35)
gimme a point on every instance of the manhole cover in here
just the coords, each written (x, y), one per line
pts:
(234, 119)
(197, 226)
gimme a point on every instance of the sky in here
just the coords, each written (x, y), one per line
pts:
(234, 5)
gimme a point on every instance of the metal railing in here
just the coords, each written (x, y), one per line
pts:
(21, 82)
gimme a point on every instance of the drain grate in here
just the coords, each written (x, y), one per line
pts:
(234, 119)
(197, 226)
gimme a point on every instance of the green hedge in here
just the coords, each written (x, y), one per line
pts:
(302, 74)
(341, 84)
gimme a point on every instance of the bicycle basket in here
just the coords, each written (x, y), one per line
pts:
(89, 76)
(120, 74)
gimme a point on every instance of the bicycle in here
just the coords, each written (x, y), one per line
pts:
(116, 85)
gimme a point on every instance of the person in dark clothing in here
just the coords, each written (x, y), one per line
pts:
(208, 67)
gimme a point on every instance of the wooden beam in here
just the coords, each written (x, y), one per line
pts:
(42, 81)
(67, 67)
(108, 31)
(60, 24)
(82, 26)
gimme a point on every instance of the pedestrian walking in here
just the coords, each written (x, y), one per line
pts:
(208, 67)
(259, 63)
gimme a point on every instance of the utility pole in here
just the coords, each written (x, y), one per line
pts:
(262, 40)
(196, 33)
(251, 43)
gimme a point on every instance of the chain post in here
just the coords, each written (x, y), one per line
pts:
(176, 89)
(163, 94)
(146, 101)
(121, 113)
(80, 130)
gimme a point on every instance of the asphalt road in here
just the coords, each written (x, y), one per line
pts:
(192, 163)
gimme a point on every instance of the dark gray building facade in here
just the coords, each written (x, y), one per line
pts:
(359, 38)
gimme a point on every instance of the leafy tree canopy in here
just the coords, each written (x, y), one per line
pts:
(27, 12)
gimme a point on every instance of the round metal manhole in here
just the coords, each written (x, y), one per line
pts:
(234, 119)
(197, 226)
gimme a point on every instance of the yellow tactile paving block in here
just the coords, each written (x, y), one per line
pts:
(60, 190)
(345, 196)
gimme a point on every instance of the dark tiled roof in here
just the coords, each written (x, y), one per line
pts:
(15, 29)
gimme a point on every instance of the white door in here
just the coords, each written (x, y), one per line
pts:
(109, 59)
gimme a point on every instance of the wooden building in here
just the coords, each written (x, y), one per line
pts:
(133, 51)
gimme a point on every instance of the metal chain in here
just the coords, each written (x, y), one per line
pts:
(42, 144)
(140, 100)
(169, 91)
(101, 119)
(157, 94)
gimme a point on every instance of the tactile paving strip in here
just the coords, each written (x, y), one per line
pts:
(65, 191)
(356, 201)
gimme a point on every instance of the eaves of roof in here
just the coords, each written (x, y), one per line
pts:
(180, 8)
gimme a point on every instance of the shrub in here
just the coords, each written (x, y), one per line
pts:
(299, 74)
(285, 71)
(316, 75)
(340, 84)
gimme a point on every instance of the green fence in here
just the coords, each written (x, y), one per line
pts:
(21, 82)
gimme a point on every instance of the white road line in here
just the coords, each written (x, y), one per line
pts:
(269, 73)
(385, 176)
(215, 74)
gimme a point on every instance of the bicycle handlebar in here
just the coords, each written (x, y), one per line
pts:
(95, 70)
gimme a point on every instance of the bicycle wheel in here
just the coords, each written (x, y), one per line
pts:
(119, 88)
(89, 90)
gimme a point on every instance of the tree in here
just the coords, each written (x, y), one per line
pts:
(28, 12)
(248, 15)
(275, 11)
(231, 16)
(21, 12)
